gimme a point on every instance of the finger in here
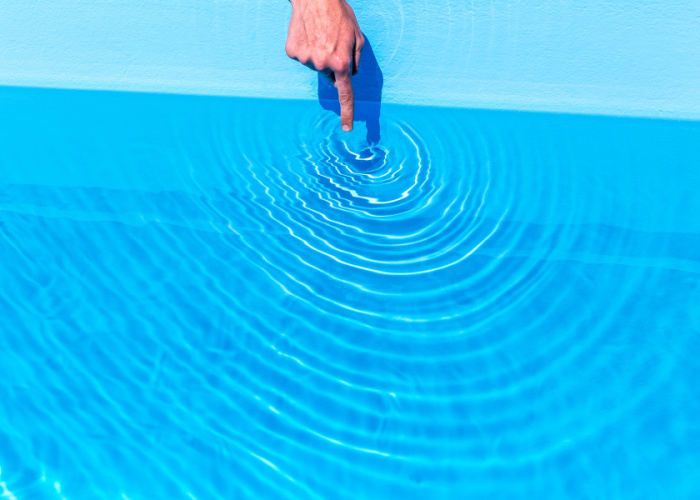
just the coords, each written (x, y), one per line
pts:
(347, 100)
(309, 64)
(304, 59)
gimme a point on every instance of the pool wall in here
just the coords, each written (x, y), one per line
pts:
(619, 57)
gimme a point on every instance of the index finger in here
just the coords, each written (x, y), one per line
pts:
(346, 96)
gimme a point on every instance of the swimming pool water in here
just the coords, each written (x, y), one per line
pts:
(219, 298)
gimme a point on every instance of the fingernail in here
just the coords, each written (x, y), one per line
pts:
(346, 128)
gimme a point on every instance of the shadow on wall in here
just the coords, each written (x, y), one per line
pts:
(367, 84)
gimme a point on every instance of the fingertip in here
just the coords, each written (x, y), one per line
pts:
(346, 127)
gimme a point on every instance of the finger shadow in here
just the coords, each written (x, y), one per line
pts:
(367, 85)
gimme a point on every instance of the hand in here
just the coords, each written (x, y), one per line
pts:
(324, 35)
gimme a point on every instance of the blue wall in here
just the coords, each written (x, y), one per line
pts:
(621, 57)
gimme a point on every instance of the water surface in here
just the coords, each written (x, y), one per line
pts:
(219, 298)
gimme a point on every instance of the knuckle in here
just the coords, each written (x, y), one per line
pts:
(340, 62)
(289, 49)
(303, 58)
(322, 64)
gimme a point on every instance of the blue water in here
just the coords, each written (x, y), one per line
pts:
(215, 298)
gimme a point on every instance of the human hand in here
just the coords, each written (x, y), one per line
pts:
(324, 35)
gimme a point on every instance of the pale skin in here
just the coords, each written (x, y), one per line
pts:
(324, 35)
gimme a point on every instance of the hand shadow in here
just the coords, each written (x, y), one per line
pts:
(367, 85)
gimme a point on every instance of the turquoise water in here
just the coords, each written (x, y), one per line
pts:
(219, 298)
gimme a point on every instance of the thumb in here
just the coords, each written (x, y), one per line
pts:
(343, 83)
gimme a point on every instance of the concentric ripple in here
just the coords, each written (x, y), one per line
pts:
(389, 239)
(222, 298)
